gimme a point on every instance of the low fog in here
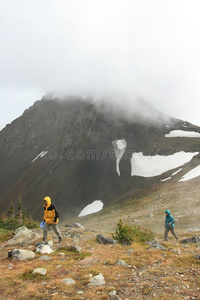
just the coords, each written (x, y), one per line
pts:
(125, 51)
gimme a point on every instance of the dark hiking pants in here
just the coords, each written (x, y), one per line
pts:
(172, 232)
(55, 229)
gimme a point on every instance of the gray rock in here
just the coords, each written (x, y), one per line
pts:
(80, 292)
(68, 281)
(113, 293)
(155, 245)
(44, 257)
(10, 266)
(22, 235)
(21, 254)
(102, 239)
(44, 248)
(194, 239)
(97, 280)
(50, 243)
(122, 263)
(77, 225)
(41, 271)
(150, 216)
(76, 249)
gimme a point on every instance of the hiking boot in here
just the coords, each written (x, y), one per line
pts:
(44, 242)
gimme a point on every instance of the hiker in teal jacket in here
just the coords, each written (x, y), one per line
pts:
(169, 225)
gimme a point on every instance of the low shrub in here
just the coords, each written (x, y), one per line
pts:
(126, 234)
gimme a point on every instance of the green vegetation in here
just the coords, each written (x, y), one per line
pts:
(29, 275)
(4, 234)
(126, 234)
(71, 252)
(13, 221)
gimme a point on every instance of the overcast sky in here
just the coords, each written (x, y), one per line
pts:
(147, 49)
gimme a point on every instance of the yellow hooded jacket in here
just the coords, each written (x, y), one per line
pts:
(50, 212)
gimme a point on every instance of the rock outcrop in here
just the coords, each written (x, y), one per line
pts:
(23, 235)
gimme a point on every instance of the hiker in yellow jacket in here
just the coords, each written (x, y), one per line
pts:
(50, 218)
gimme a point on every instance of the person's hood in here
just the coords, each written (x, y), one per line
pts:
(48, 199)
(167, 211)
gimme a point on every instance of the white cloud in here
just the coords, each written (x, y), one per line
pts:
(147, 49)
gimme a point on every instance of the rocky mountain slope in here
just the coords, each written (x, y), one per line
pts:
(82, 267)
(78, 151)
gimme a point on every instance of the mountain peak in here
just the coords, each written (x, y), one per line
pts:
(71, 149)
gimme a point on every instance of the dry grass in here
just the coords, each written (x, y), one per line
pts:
(152, 274)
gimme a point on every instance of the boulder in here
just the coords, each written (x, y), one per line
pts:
(44, 248)
(122, 263)
(68, 281)
(193, 239)
(41, 271)
(44, 257)
(97, 280)
(23, 235)
(102, 239)
(155, 245)
(20, 254)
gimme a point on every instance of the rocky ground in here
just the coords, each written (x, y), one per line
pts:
(82, 267)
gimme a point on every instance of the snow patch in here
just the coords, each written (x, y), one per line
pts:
(40, 155)
(150, 166)
(191, 174)
(162, 180)
(94, 207)
(176, 172)
(173, 174)
(182, 133)
(119, 149)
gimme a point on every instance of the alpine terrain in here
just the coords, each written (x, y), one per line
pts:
(77, 151)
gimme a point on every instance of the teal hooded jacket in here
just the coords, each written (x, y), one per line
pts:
(169, 220)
